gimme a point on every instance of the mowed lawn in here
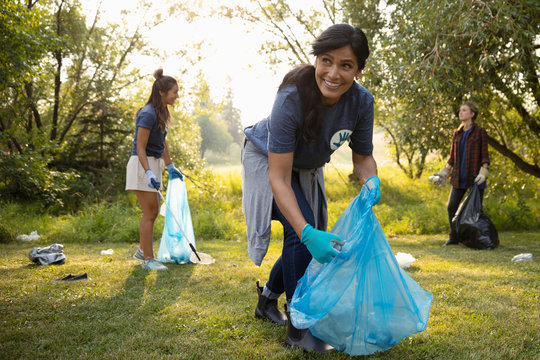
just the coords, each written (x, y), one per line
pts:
(484, 305)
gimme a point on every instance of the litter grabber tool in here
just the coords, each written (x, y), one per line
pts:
(156, 186)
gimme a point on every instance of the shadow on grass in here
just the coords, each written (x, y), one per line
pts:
(127, 320)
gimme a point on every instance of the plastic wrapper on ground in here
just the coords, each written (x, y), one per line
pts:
(52, 254)
(174, 247)
(362, 301)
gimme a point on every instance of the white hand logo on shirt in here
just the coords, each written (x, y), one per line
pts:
(339, 138)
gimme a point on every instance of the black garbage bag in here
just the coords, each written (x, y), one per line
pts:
(473, 228)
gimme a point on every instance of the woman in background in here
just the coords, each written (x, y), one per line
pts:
(468, 163)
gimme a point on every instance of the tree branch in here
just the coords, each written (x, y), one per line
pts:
(531, 169)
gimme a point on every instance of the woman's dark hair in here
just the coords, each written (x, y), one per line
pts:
(162, 84)
(303, 76)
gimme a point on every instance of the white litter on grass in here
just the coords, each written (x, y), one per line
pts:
(32, 237)
(206, 259)
(107, 252)
(404, 260)
(523, 257)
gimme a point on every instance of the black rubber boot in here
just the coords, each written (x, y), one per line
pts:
(303, 338)
(267, 309)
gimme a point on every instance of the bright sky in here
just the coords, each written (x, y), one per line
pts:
(230, 52)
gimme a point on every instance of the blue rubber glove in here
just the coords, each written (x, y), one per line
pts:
(371, 190)
(174, 172)
(152, 180)
(318, 243)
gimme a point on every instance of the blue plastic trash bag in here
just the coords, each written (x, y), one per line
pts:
(174, 247)
(362, 301)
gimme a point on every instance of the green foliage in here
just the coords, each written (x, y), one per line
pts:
(114, 221)
(415, 206)
(104, 222)
(232, 157)
(28, 176)
(423, 83)
(24, 42)
(184, 142)
(6, 233)
(407, 206)
(293, 26)
(67, 119)
(231, 116)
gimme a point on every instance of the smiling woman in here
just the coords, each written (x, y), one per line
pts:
(317, 108)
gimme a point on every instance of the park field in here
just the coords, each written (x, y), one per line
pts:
(484, 305)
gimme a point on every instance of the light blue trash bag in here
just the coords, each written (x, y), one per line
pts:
(174, 247)
(362, 301)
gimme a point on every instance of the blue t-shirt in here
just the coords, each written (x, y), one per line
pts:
(147, 118)
(463, 158)
(350, 119)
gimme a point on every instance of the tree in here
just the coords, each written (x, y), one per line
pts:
(70, 103)
(231, 116)
(465, 50)
(214, 131)
(22, 40)
(214, 134)
(291, 29)
(24, 44)
(427, 58)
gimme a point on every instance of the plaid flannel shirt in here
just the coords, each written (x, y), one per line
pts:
(476, 155)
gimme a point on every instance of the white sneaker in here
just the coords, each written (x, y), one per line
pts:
(139, 255)
(153, 264)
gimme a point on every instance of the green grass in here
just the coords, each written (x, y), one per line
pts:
(484, 306)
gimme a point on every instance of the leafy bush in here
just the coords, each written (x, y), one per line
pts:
(111, 222)
(407, 207)
(410, 206)
(6, 234)
(28, 176)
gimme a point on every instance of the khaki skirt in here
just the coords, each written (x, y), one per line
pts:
(136, 178)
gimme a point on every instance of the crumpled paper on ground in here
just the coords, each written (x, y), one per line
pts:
(523, 257)
(404, 260)
(32, 237)
(53, 254)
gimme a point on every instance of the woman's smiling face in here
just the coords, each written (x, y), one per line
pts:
(335, 71)
(169, 97)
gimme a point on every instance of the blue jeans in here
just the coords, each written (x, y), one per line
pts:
(456, 195)
(295, 256)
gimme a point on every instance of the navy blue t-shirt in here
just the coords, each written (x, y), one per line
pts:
(350, 119)
(147, 118)
(463, 158)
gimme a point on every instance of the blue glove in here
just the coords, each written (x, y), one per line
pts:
(318, 243)
(371, 190)
(174, 173)
(152, 180)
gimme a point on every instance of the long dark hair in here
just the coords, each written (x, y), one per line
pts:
(162, 83)
(303, 76)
